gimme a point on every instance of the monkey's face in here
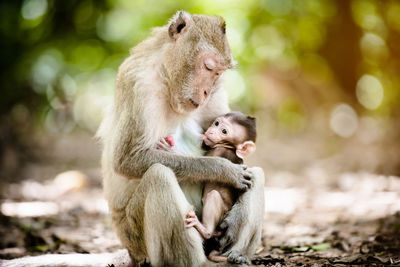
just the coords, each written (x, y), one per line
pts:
(223, 130)
(207, 70)
(201, 54)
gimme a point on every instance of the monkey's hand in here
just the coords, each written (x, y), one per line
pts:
(238, 176)
(165, 145)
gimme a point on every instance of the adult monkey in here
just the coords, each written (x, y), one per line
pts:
(169, 78)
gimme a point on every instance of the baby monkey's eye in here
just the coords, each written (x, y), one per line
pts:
(216, 123)
(224, 131)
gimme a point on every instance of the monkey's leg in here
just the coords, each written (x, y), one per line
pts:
(167, 241)
(213, 210)
(244, 221)
(216, 256)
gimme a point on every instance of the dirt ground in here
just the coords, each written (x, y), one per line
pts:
(315, 215)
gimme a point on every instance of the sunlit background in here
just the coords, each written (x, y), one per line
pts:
(330, 68)
(321, 76)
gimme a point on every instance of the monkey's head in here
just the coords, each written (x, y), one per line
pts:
(235, 129)
(197, 54)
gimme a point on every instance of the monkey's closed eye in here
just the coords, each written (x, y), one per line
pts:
(207, 67)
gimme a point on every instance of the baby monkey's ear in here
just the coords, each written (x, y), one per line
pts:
(245, 149)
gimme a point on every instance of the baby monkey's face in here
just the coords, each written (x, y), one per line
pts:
(224, 130)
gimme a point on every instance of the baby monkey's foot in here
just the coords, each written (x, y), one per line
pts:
(217, 234)
(191, 220)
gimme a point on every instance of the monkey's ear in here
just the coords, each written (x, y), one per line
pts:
(178, 24)
(223, 26)
(251, 118)
(245, 149)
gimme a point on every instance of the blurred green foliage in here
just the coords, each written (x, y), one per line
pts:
(296, 58)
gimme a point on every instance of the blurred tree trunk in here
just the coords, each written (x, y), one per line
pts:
(342, 50)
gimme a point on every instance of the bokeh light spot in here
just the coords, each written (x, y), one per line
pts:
(369, 92)
(344, 120)
(90, 103)
(373, 46)
(33, 9)
(45, 69)
(268, 42)
(68, 85)
(234, 84)
(278, 7)
(29, 209)
(88, 55)
(116, 25)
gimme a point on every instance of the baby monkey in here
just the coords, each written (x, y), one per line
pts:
(231, 136)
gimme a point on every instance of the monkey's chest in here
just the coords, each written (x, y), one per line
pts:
(193, 194)
(188, 142)
(187, 138)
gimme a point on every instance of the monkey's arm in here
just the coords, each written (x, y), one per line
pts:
(187, 169)
(133, 154)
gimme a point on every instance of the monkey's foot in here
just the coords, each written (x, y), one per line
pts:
(217, 233)
(237, 258)
(216, 256)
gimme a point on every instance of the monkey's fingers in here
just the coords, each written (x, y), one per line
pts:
(245, 184)
(248, 175)
(163, 146)
(192, 224)
(190, 220)
(160, 145)
(164, 142)
(242, 186)
(191, 214)
(248, 179)
(170, 140)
